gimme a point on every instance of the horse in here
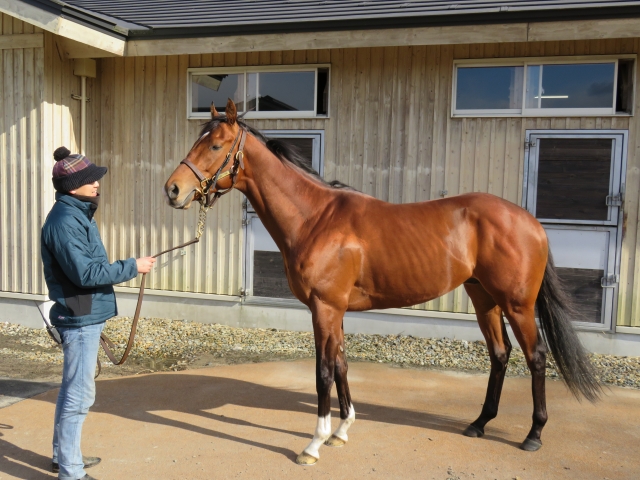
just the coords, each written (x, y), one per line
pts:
(344, 250)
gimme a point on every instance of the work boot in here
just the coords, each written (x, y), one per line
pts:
(88, 463)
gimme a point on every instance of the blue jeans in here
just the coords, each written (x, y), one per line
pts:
(77, 393)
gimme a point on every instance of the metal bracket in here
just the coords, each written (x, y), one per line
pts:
(614, 200)
(609, 281)
(78, 97)
(529, 143)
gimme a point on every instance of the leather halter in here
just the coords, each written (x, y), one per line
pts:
(208, 190)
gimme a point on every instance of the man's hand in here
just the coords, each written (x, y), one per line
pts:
(145, 264)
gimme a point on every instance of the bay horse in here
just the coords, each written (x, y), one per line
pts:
(347, 251)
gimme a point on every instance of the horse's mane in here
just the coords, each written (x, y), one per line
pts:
(281, 149)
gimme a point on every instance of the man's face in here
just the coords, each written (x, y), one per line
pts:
(88, 190)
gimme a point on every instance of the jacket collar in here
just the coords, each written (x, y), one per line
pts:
(87, 208)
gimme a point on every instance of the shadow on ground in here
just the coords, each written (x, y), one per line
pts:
(137, 398)
(12, 390)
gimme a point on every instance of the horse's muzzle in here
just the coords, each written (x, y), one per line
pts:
(172, 193)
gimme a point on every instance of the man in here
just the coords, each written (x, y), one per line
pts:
(80, 280)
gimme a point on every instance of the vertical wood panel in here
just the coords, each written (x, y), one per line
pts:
(21, 163)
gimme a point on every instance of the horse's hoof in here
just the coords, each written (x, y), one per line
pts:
(531, 445)
(473, 431)
(334, 441)
(306, 459)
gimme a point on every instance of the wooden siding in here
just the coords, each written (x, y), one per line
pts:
(389, 134)
(21, 86)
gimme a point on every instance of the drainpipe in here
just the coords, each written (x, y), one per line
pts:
(83, 68)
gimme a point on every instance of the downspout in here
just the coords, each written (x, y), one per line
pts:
(83, 68)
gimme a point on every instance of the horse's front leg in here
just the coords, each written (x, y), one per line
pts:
(327, 330)
(347, 412)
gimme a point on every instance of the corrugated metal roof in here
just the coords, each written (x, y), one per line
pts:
(221, 16)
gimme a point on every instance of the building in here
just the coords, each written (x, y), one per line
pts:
(533, 101)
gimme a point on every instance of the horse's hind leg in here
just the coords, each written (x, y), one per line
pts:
(492, 326)
(347, 412)
(523, 324)
(327, 331)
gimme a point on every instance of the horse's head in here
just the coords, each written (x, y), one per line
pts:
(218, 140)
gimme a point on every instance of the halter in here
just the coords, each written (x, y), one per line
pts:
(207, 185)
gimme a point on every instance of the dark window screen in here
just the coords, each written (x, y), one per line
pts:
(573, 178)
(583, 286)
(269, 279)
(304, 146)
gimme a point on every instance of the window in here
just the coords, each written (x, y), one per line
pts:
(544, 87)
(263, 92)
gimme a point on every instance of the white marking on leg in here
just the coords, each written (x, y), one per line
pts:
(341, 431)
(323, 432)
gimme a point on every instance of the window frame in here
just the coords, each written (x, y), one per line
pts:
(541, 112)
(262, 69)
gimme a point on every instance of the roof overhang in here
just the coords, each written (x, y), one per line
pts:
(54, 20)
(334, 39)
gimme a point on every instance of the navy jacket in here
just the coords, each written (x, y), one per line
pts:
(76, 267)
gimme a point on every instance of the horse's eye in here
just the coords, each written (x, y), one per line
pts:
(215, 147)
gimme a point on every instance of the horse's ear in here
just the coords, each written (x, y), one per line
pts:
(214, 112)
(231, 112)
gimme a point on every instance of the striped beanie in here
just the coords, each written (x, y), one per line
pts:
(71, 172)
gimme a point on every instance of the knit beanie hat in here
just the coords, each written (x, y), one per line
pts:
(71, 172)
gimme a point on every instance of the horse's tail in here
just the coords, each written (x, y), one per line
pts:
(554, 308)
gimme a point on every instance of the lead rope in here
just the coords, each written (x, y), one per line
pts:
(106, 343)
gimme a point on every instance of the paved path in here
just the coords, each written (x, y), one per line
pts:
(250, 421)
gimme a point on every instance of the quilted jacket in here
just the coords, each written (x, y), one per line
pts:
(79, 276)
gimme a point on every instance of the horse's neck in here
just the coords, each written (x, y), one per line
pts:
(282, 195)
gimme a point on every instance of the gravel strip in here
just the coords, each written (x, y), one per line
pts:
(163, 344)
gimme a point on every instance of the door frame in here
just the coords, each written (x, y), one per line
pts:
(614, 224)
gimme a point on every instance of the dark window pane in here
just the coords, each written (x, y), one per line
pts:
(624, 94)
(217, 89)
(583, 287)
(322, 100)
(573, 178)
(578, 86)
(286, 91)
(489, 88)
(269, 279)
